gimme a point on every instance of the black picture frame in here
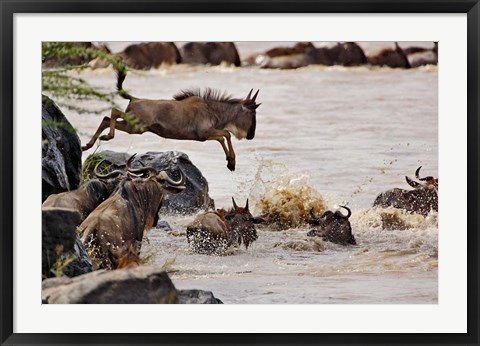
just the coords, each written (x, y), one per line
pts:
(10, 7)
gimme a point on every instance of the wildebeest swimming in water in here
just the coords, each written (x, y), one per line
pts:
(333, 227)
(114, 230)
(213, 232)
(421, 200)
(189, 116)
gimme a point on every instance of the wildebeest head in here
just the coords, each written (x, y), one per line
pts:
(168, 184)
(334, 227)
(242, 222)
(430, 182)
(250, 115)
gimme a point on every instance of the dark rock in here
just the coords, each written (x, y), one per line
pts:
(195, 197)
(144, 56)
(61, 151)
(197, 297)
(164, 226)
(213, 53)
(139, 285)
(62, 251)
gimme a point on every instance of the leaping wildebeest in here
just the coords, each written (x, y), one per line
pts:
(421, 200)
(191, 115)
(115, 228)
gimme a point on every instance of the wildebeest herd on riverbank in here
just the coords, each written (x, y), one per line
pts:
(117, 205)
(146, 55)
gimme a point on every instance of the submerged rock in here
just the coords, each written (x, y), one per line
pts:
(61, 151)
(197, 297)
(62, 251)
(195, 197)
(139, 285)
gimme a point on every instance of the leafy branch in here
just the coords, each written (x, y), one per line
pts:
(74, 92)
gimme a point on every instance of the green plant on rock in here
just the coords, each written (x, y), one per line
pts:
(91, 162)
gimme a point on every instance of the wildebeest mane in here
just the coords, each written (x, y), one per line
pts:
(208, 94)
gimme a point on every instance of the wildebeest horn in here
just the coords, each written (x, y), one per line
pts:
(417, 173)
(348, 210)
(112, 174)
(142, 170)
(233, 200)
(249, 94)
(412, 183)
(255, 96)
(164, 176)
(429, 179)
(246, 204)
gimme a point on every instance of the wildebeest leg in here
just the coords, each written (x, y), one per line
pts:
(116, 113)
(220, 135)
(121, 125)
(103, 125)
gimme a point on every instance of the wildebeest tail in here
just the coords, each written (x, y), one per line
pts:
(121, 74)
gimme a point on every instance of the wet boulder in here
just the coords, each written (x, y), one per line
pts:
(62, 251)
(213, 53)
(61, 151)
(197, 297)
(147, 55)
(139, 285)
(195, 197)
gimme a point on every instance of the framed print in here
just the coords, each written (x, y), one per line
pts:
(239, 173)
